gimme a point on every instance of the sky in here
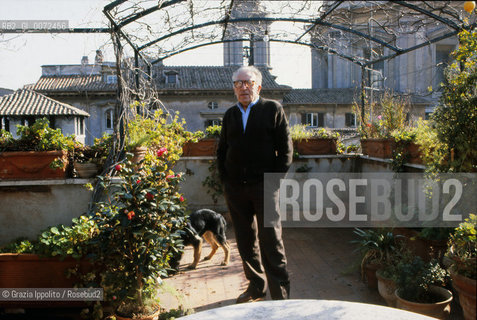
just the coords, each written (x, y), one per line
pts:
(22, 55)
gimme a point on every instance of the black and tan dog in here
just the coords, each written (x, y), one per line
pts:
(211, 226)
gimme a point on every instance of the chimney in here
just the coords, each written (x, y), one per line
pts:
(99, 57)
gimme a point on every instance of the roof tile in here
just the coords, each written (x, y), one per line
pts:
(30, 103)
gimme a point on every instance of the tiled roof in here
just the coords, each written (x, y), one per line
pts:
(207, 78)
(189, 78)
(320, 96)
(4, 91)
(29, 103)
(332, 96)
(73, 83)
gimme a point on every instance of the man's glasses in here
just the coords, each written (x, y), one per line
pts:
(241, 83)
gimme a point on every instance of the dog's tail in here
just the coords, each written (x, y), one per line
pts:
(222, 228)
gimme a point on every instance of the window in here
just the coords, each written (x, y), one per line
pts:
(442, 61)
(109, 117)
(212, 122)
(429, 111)
(27, 121)
(172, 76)
(111, 79)
(81, 126)
(376, 70)
(314, 119)
(213, 105)
(4, 123)
(350, 119)
(79, 122)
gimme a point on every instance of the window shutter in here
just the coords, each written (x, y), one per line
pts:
(321, 119)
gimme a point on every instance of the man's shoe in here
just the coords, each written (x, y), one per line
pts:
(248, 297)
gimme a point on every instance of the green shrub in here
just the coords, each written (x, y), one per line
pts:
(462, 248)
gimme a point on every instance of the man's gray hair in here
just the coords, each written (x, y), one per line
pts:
(251, 69)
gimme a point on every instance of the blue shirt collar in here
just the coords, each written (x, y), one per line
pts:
(249, 106)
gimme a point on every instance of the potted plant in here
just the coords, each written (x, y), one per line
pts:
(376, 246)
(377, 121)
(387, 273)
(89, 159)
(420, 288)
(50, 261)
(137, 233)
(313, 142)
(462, 251)
(40, 152)
(203, 144)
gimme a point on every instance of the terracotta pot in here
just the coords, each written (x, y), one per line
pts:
(370, 275)
(31, 165)
(466, 289)
(386, 288)
(31, 271)
(439, 310)
(315, 146)
(153, 316)
(204, 147)
(413, 152)
(379, 148)
(86, 170)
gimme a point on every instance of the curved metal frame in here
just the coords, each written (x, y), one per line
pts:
(314, 22)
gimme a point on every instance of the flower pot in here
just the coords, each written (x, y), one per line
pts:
(386, 288)
(413, 153)
(204, 147)
(31, 271)
(439, 310)
(32, 165)
(86, 170)
(379, 148)
(466, 289)
(370, 275)
(315, 146)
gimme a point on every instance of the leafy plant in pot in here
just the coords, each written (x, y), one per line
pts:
(89, 159)
(388, 272)
(462, 251)
(47, 146)
(420, 288)
(376, 246)
(138, 233)
(378, 120)
(57, 258)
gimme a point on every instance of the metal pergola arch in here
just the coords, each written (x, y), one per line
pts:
(227, 20)
(118, 25)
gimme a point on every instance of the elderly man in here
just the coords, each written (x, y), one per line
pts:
(255, 139)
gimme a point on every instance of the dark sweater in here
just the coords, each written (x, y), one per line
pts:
(265, 146)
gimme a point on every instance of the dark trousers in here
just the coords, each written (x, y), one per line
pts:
(261, 247)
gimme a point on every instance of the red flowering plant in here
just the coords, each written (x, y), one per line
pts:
(138, 230)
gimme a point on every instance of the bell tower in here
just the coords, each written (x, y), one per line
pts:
(256, 49)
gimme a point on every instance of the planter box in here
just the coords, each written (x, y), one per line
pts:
(31, 165)
(31, 271)
(414, 154)
(379, 148)
(204, 147)
(315, 146)
(86, 170)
